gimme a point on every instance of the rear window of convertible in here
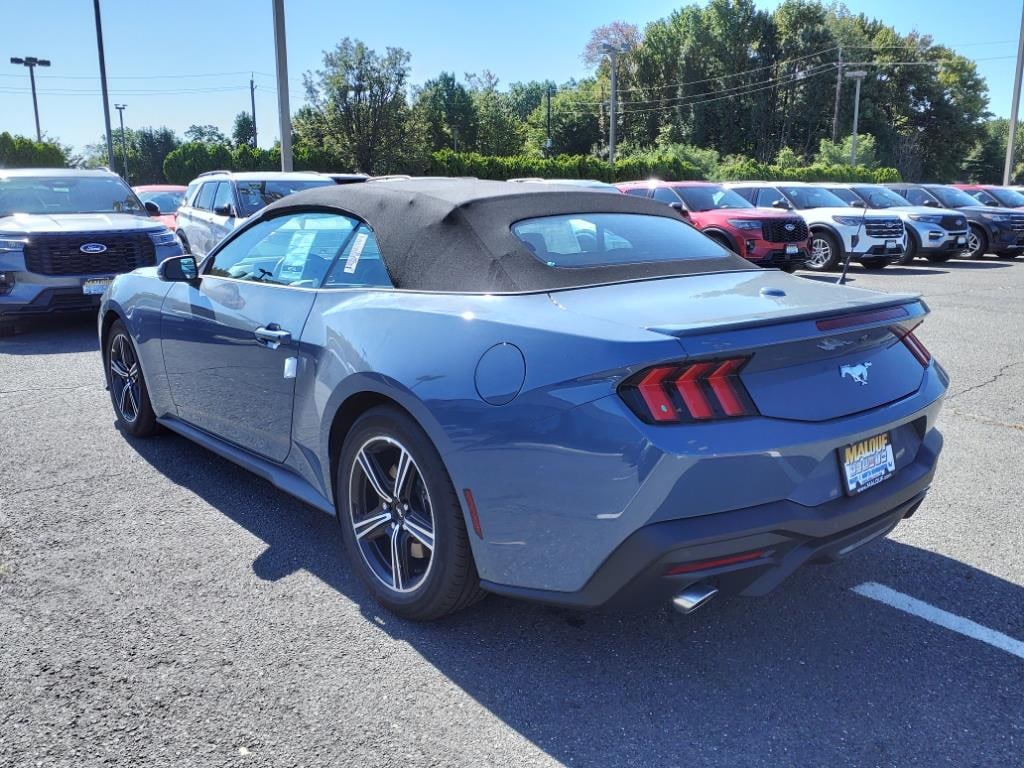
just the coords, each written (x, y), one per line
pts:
(608, 239)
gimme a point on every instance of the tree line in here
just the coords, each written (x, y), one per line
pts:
(703, 93)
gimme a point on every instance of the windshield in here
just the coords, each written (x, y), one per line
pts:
(813, 197)
(67, 194)
(880, 197)
(952, 197)
(709, 198)
(167, 200)
(606, 239)
(256, 194)
(1007, 197)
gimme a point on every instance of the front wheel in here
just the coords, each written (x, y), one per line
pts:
(977, 243)
(910, 253)
(825, 253)
(128, 391)
(401, 519)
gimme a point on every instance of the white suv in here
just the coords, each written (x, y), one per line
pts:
(218, 201)
(873, 238)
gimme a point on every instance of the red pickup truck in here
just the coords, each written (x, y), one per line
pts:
(767, 238)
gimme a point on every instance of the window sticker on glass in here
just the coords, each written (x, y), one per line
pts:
(357, 250)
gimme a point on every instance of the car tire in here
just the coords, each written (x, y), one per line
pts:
(381, 527)
(185, 247)
(875, 264)
(977, 243)
(1008, 254)
(825, 252)
(128, 392)
(910, 253)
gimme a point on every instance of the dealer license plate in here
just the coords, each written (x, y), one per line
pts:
(890, 244)
(94, 287)
(792, 250)
(867, 463)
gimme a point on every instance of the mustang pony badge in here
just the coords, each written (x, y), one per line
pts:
(858, 372)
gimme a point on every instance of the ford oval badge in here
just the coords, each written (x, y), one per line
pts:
(93, 248)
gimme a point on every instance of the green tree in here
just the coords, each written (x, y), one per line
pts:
(500, 132)
(447, 113)
(360, 97)
(146, 148)
(839, 152)
(206, 134)
(244, 131)
(23, 152)
(576, 125)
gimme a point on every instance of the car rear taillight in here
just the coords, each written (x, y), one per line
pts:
(911, 342)
(698, 391)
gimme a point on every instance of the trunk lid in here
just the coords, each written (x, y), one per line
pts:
(817, 351)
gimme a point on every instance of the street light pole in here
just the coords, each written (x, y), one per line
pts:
(284, 111)
(858, 76)
(103, 84)
(32, 62)
(124, 147)
(252, 101)
(1011, 139)
(613, 54)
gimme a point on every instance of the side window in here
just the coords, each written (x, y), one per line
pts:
(360, 264)
(295, 250)
(638, 192)
(665, 195)
(205, 198)
(846, 195)
(985, 198)
(190, 194)
(916, 196)
(223, 196)
(766, 196)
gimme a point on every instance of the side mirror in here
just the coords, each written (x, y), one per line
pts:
(784, 204)
(152, 208)
(858, 204)
(225, 210)
(931, 203)
(179, 269)
(679, 207)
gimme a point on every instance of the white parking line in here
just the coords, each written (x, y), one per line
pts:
(921, 609)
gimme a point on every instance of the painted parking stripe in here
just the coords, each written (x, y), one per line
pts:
(959, 624)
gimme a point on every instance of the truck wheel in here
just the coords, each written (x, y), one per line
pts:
(825, 252)
(910, 253)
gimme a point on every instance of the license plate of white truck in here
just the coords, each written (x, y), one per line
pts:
(890, 244)
(961, 240)
(95, 287)
(866, 463)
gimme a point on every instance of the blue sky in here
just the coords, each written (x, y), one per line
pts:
(189, 61)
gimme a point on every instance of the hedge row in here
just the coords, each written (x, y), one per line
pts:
(189, 160)
(22, 152)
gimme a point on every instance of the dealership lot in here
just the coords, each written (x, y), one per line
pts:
(159, 605)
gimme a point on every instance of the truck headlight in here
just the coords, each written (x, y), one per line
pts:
(163, 237)
(745, 223)
(848, 221)
(927, 218)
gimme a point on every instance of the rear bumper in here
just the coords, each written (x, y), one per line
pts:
(787, 533)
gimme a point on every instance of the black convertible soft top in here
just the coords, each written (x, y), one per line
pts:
(454, 235)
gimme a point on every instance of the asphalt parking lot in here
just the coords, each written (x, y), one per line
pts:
(159, 606)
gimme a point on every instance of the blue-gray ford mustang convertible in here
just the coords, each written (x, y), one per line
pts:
(551, 394)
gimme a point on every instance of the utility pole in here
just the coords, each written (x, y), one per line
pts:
(547, 141)
(284, 114)
(252, 101)
(103, 84)
(32, 62)
(124, 146)
(613, 57)
(839, 92)
(1012, 138)
(858, 76)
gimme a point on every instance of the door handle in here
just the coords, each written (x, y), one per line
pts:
(272, 336)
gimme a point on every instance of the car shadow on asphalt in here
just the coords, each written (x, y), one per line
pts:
(53, 335)
(811, 674)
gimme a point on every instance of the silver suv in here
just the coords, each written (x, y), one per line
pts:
(65, 233)
(218, 201)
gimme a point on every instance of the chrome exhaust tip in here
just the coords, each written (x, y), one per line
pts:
(693, 597)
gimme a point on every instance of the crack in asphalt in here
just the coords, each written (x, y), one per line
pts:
(984, 419)
(1002, 370)
(19, 491)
